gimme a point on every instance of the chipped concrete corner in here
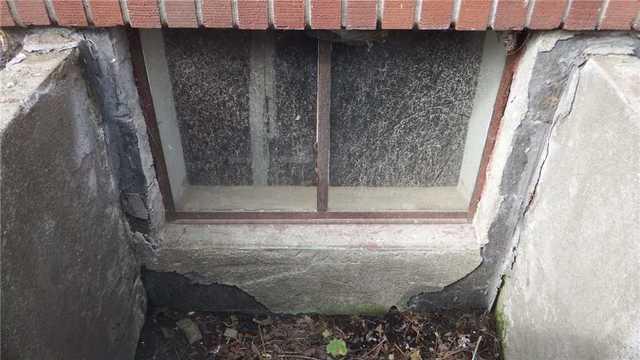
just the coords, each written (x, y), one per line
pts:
(572, 290)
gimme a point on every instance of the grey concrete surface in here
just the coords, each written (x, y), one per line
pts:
(321, 268)
(573, 292)
(70, 285)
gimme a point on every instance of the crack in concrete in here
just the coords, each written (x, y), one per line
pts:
(563, 111)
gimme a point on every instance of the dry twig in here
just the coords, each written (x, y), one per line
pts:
(475, 351)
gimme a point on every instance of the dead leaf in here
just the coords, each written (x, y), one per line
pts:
(190, 330)
(231, 333)
(415, 355)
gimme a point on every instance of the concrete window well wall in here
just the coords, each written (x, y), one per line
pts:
(320, 126)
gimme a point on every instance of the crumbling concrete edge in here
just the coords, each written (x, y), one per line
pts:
(543, 74)
(522, 282)
(580, 48)
(110, 72)
(319, 268)
(563, 111)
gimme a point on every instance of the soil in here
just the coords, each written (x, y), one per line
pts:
(396, 335)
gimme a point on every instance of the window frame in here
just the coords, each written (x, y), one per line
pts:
(322, 214)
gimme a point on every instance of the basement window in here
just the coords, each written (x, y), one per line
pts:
(319, 126)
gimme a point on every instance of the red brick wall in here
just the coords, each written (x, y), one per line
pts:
(329, 14)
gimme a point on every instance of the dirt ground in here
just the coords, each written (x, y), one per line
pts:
(396, 335)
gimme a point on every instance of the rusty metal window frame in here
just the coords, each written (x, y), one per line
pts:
(322, 215)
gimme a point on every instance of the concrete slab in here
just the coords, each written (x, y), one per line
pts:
(321, 268)
(573, 292)
(70, 281)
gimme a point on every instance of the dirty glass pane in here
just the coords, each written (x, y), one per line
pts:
(400, 105)
(245, 108)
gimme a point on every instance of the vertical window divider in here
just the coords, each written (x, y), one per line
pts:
(323, 111)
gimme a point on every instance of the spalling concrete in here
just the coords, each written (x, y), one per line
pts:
(109, 71)
(70, 281)
(321, 268)
(573, 292)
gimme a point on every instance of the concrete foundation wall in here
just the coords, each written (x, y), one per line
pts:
(573, 289)
(70, 281)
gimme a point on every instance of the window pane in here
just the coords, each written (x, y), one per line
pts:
(400, 107)
(245, 109)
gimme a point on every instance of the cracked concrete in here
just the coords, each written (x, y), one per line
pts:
(571, 292)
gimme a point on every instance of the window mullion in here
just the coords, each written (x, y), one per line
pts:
(323, 109)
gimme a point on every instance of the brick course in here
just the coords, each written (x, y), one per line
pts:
(547, 14)
(32, 12)
(180, 13)
(474, 15)
(106, 13)
(288, 14)
(327, 14)
(70, 12)
(6, 20)
(583, 15)
(436, 14)
(620, 14)
(361, 14)
(398, 14)
(510, 15)
(252, 14)
(144, 13)
(217, 13)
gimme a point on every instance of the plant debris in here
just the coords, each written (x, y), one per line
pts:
(190, 330)
(337, 348)
(395, 336)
